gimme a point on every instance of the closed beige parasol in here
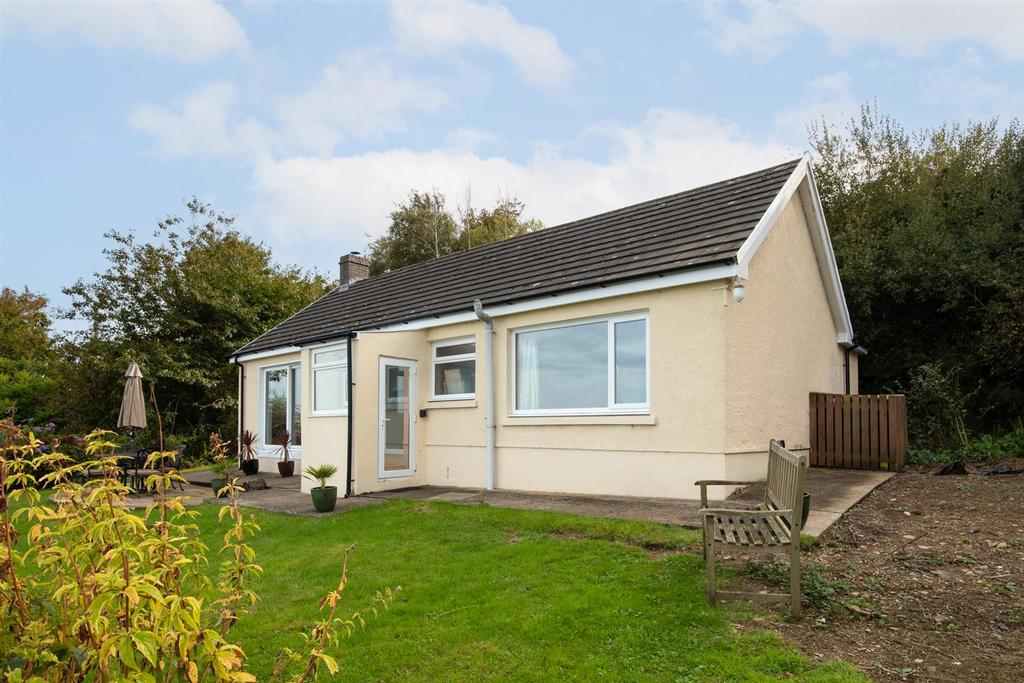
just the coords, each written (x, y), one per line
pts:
(133, 407)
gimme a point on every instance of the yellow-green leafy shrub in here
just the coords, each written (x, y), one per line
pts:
(97, 592)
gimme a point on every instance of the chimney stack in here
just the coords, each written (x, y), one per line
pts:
(352, 267)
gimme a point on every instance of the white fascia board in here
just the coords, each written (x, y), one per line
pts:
(802, 180)
(256, 355)
(648, 284)
(771, 215)
(829, 269)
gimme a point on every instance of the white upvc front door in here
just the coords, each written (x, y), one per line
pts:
(396, 411)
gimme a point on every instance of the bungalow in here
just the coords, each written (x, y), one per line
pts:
(631, 353)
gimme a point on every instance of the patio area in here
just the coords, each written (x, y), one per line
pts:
(282, 494)
(833, 492)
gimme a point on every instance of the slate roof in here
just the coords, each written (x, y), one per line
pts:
(697, 227)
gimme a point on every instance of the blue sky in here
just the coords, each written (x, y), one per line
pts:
(309, 121)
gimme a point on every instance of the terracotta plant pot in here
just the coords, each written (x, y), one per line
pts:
(251, 466)
(286, 469)
(324, 499)
(216, 485)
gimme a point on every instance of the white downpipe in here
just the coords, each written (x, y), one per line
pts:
(478, 308)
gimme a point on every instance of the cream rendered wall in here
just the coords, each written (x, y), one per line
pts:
(367, 351)
(455, 431)
(324, 438)
(251, 416)
(854, 373)
(656, 454)
(781, 346)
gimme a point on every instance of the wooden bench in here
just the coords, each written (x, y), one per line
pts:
(770, 527)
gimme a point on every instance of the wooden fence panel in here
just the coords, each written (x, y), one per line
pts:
(858, 431)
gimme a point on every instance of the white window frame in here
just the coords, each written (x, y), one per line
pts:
(271, 450)
(612, 408)
(435, 361)
(314, 366)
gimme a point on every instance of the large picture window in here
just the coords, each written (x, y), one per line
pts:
(281, 389)
(330, 380)
(454, 363)
(586, 367)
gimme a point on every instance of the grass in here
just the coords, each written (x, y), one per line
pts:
(506, 594)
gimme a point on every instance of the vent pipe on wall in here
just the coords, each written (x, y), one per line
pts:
(478, 308)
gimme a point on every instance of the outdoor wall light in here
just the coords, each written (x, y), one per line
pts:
(739, 292)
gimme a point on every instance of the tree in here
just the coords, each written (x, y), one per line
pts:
(423, 228)
(928, 230)
(24, 325)
(483, 226)
(26, 356)
(420, 230)
(178, 306)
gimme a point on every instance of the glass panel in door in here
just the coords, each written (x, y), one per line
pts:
(396, 432)
(276, 405)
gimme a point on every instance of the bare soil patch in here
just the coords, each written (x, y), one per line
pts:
(921, 581)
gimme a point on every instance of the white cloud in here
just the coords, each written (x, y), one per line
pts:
(439, 27)
(964, 85)
(762, 32)
(203, 125)
(468, 138)
(905, 26)
(826, 97)
(360, 96)
(915, 28)
(341, 199)
(183, 31)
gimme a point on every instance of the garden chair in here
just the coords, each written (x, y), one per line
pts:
(770, 527)
(141, 471)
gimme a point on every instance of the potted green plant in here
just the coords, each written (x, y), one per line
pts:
(324, 497)
(286, 466)
(247, 460)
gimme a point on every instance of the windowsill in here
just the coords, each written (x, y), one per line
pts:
(342, 413)
(435, 403)
(606, 419)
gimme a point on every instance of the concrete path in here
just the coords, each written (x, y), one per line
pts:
(833, 492)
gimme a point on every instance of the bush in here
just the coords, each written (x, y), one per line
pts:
(987, 448)
(101, 593)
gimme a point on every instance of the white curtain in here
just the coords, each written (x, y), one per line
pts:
(528, 371)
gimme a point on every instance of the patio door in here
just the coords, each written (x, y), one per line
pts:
(396, 433)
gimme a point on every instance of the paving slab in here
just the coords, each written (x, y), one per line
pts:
(833, 492)
(274, 479)
(294, 502)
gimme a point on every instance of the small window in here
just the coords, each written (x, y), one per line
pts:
(586, 367)
(454, 369)
(330, 380)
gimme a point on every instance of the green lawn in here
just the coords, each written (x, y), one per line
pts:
(505, 594)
